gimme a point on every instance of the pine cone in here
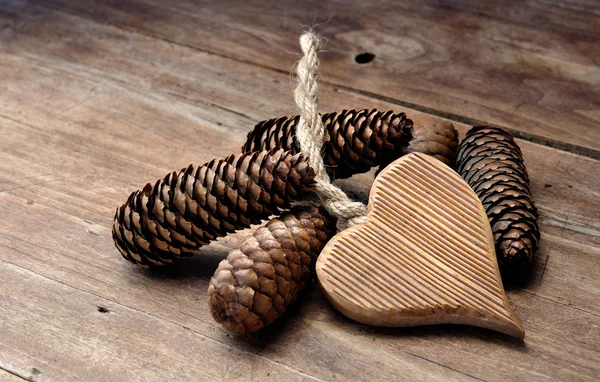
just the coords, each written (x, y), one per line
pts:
(355, 140)
(258, 281)
(438, 141)
(188, 209)
(492, 163)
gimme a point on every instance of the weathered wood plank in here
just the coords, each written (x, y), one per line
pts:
(315, 339)
(532, 66)
(86, 337)
(67, 164)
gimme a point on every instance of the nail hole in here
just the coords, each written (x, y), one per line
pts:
(102, 309)
(364, 58)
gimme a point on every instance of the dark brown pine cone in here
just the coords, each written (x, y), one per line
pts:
(188, 209)
(258, 281)
(355, 140)
(492, 163)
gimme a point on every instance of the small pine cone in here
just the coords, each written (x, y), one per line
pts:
(491, 162)
(258, 281)
(188, 209)
(355, 140)
(439, 141)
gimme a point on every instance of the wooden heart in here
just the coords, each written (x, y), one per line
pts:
(424, 256)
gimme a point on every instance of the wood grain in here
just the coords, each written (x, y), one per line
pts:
(424, 256)
(532, 66)
(89, 111)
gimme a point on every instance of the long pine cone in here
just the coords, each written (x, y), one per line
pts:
(258, 281)
(492, 163)
(187, 209)
(355, 140)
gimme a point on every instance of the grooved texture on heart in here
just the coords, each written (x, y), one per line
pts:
(425, 255)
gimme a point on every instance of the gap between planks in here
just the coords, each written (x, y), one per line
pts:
(534, 138)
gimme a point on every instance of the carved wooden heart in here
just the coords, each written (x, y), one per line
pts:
(424, 256)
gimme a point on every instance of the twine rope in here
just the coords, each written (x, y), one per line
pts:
(311, 132)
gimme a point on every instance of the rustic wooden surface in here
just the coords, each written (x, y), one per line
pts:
(424, 256)
(97, 98)
(528, 66)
